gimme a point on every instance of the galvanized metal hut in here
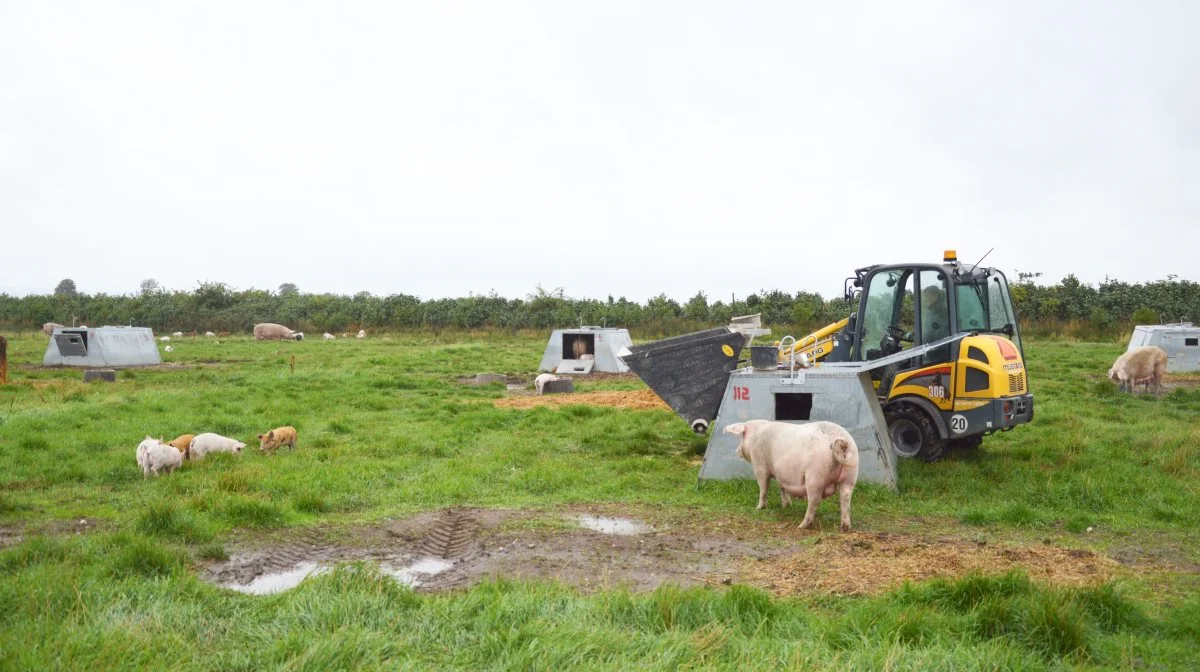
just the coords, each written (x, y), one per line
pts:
(1180, 341)
(102, 347)
(586, 349)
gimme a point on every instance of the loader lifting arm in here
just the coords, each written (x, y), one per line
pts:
(815, 346)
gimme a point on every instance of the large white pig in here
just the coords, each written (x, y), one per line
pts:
(812, 461)
(268, 331)
(204, 444)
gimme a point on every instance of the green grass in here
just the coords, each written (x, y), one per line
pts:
(385, 430)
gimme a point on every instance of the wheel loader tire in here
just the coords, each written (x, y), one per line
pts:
(913, 434)
(967, 443)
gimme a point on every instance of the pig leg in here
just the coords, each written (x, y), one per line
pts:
(785, 499)
(814, 498)
(764, 482)
(844, 492)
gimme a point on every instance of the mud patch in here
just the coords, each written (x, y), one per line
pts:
(10, 537)
(863, 563)
(451, 549)
(452, 536)
(639, 399)
(1176, 381)
(458, 548)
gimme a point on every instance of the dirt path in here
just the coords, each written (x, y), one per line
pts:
(636, 399)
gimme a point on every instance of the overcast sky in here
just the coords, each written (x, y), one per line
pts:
(625, 148)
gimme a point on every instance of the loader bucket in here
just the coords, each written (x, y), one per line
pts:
(689, 372)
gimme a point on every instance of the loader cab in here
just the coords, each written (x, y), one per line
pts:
(904, 305)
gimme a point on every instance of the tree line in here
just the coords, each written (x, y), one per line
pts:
(1106, 307)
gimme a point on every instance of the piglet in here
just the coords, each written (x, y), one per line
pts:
(280, 436)
(540, 382)
(204, 444)
(161, 457)
(810, 461)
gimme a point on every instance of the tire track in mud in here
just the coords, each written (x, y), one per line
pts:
(451, 538)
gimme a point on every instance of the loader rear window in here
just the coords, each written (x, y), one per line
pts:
(793, 405)
(1191, 341)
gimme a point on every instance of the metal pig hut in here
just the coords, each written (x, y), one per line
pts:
(1180, 341)
(102, 347)
(602, 343)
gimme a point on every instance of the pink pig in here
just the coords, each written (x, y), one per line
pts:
(810, 460)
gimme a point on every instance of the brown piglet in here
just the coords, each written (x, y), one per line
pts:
(277, 437)
(182, 442)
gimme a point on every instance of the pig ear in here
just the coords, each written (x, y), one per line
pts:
(271, 434)
(736, 428)
(260, 437)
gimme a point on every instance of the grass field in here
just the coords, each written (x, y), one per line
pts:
(388, 431)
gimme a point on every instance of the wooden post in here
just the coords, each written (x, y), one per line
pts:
(3, 360)
(293, 363)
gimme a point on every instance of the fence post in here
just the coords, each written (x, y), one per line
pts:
(3, 360)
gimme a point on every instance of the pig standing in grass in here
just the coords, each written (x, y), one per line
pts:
(182, 442)
(161, 457)
(49, 327)
(540, 381)
(280, 436)
(1145, 364)
(812, 460)
(142, 449)
(204, 444)
(154, 457)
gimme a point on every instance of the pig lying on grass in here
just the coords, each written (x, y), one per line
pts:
(809, 461)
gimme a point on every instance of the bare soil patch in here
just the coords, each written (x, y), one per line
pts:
(642, 553)
(638, 399)
(1174, 381)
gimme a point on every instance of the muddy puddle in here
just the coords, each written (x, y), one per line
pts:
(613, 525)
(594, 550)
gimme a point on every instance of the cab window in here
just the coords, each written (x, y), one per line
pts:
(972, 313)
(889, 304)
(935, 315)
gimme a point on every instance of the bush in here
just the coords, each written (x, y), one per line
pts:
(1144, 315)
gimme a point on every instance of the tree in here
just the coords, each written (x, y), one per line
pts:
(288, 289)
(696, 308)
(66, 288)
(150, 286)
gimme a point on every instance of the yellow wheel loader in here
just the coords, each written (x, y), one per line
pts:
(948, 397)
(931, 360)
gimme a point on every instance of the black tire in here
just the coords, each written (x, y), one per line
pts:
(966, 443)
(913, 434)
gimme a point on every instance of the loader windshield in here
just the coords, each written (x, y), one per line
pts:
(984, 304)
